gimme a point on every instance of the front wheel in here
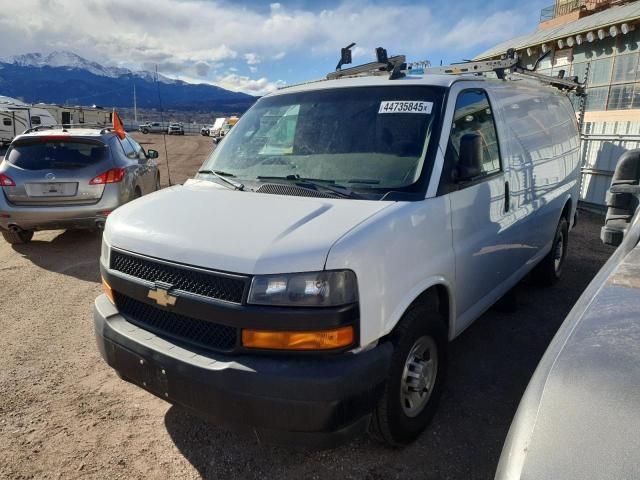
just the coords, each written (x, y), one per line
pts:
(415, 381)
(17, 238)
(158, 187)
(549, 270)
(145, 131)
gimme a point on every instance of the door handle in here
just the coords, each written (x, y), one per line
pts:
(506, 196)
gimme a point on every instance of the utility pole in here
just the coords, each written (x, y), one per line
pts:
(135, 106)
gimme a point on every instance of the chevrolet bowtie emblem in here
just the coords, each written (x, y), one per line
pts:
(161, 294)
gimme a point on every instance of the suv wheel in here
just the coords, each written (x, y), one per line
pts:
(145, 130)
(16, 238)
(158, 187)
(549, 270)
(415, 379)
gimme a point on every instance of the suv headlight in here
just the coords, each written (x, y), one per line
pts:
(311, 289)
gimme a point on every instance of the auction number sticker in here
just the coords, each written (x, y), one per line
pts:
(405, 106)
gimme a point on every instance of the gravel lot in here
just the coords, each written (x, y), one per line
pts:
(64, 414)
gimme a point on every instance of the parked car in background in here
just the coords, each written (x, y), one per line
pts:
(580, 415)
(70, 178)
(175, 129)
(204, 131)
(353, 228)
(151, 127)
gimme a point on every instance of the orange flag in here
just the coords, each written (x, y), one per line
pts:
(117, 126)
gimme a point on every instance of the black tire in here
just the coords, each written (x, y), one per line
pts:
(392, 422)
(549, 270)
(145, 131)
(17, 238)
(158, 187)
(137, 193)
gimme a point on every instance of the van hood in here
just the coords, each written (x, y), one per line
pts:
(204, 224)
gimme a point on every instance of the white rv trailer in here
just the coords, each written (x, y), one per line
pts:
(70, 115)
(17, 116)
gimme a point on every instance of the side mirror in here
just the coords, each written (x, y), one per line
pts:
(470, 164)
(622, 199)
(152, 154)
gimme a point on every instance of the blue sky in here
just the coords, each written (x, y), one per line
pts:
(255, 46)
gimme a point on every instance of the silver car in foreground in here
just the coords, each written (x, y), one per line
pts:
(54, 178)
(580, 415)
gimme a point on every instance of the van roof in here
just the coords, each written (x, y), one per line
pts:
(429, 79)
(437, 80)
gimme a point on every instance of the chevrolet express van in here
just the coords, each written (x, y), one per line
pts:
(307, 281)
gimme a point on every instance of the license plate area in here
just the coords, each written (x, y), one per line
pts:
(148, 375)
(52, 189)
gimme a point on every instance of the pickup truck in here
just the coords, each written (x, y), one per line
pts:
(151, 127)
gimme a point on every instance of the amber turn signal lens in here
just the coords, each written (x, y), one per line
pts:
(318, 340)
(107, 290)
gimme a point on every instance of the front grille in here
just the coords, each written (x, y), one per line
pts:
(174, 326)
(208, 284)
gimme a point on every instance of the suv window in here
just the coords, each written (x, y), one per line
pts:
(139, 151)
(48, 154)
(473, 114)
(35, 120)
(128, 148)
(6, 121)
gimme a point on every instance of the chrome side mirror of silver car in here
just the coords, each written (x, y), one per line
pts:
(622, 199)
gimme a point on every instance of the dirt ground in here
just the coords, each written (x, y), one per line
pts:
(65, 414)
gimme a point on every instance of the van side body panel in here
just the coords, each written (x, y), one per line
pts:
(543, 151)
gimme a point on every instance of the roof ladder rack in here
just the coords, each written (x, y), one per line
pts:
(509, 62)
(383, 64)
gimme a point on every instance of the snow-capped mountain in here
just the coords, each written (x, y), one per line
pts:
(64, 59)
(67, 78)
(72, 60)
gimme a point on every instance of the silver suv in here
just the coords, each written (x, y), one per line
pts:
(54, 177)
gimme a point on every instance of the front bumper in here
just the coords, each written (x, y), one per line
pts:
(42, 217)
(315, 401)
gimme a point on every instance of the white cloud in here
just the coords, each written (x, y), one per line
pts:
(261, 86)
(252, 58)
(193, 37)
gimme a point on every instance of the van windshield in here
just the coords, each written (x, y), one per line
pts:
(368, 138)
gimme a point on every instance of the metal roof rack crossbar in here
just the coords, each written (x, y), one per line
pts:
(65, 126)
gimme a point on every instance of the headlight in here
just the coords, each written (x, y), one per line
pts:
(105, 253)
(313, 289)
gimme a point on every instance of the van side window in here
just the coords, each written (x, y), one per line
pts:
(35, 120)
(473, 114)
(6, 121)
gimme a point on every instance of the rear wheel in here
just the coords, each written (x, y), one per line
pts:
(158, 187)
(415, 379)
(16, 238)
(549, 270)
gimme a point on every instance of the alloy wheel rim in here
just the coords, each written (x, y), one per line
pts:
(419, 376)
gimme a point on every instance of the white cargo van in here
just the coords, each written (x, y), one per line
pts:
(306, 283)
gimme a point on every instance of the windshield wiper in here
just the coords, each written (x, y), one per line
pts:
(221, 175)
(316, 184)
